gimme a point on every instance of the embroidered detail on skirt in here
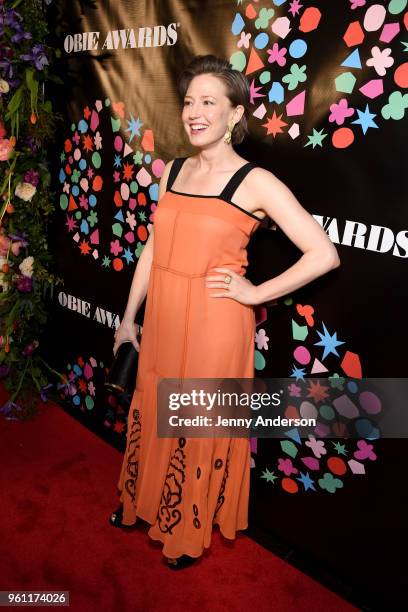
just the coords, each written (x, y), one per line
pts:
(169, 515)
(132, 467)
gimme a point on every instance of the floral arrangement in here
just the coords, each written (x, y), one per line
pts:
(27, 124)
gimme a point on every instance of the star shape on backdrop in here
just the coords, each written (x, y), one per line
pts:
(340, 448)
(127, 254)
(328, 342)
(317, 391)
(295, 7)
(71, 224)
(134, 127)
(269, 476)
(306, 481)
(316, 138)
(118, 427)
(84, 247)
(127, 171)
(365, 119)
(298, 373)
(274, 124)
(87, 143)
(254, 91)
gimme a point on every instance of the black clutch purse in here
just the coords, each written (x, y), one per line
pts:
(122, 374)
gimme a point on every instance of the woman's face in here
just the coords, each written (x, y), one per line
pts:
(207, 107)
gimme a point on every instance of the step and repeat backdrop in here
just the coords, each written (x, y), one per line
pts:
(329, 117)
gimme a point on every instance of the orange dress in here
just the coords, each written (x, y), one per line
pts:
(182, 486)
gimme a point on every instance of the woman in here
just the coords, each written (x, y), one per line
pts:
(199, 316)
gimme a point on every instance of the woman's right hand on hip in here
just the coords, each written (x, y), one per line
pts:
(126, 331)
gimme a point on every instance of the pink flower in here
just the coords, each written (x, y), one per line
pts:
(83, 201)
(317, 446)
(380, 59)
(116, 248)
(286, 466)
(277, 55)
(261, 340)
(339, 111)
(365, 451)
(244, 40)
(6, 148)
(294, 390)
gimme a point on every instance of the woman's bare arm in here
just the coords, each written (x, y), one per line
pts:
(319, 253)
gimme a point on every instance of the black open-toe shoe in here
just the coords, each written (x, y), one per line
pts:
(115, 519)
(181, 562)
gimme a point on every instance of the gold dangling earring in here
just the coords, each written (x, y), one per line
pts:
(228, 134)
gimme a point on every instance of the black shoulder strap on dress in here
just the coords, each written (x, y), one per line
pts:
(174, 170)
(235, 180)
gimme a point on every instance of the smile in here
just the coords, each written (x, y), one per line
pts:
(198, 127)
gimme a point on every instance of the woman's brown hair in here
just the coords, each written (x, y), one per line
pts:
(236, 84)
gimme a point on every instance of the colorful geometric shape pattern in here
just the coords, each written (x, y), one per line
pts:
(342, 408)
(260, 55)
(105, 132)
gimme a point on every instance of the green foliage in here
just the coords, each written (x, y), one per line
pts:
(27, 125)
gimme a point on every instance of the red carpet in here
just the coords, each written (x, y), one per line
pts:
(58, 487)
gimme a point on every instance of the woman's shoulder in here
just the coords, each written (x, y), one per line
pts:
(262, 177)
(259, 182)
(257, 172)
